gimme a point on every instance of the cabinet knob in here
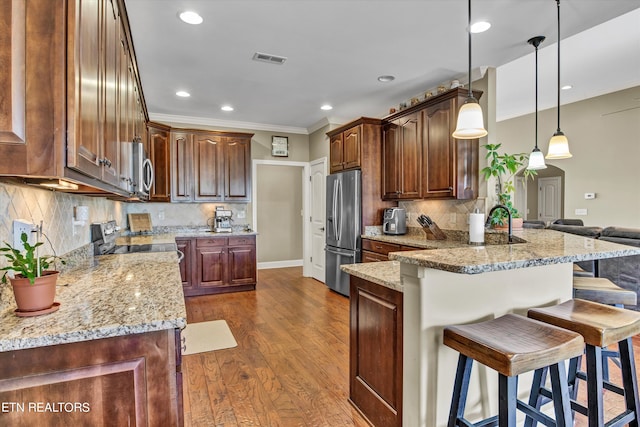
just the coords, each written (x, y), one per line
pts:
(450, 188)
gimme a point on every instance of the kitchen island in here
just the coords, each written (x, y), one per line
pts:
(109, 356)
(457, 283)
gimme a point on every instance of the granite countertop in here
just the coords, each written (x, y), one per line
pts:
(107, 296)
(540, 247)
(385, 273)
(170, 237)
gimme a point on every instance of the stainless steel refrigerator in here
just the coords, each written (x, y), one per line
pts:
(344, 213)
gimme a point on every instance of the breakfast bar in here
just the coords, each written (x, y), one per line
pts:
(459, 283)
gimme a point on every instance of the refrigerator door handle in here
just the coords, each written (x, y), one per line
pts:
(339, 225)
(335, 209)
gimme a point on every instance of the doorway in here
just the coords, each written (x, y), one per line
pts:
(541, 198)
(280, 204)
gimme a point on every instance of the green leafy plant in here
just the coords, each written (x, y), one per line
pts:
(504, 167)
(26, 263)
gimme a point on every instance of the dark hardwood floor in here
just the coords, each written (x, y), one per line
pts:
(291, 365)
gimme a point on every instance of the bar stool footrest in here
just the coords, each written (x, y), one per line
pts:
(621, 420)
(531, 412)
(605, 384)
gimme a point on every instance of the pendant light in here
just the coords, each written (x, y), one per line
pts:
(559, 144)
(536, 158)
(470, 121)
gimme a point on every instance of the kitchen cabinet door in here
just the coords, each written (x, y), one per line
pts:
(110, 142)
(375, 351)
(208, 168)
(336, 162)
(211, 265)
(401, 164)
(186, 246)
(373, 257)
(237, 169)
(242, 263)
(351, 139)
(181, 170)
(159, 153)
(437, 150)
(84, 148)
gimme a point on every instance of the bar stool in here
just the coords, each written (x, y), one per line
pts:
(512, 345)
(600, 325)
(604, 291)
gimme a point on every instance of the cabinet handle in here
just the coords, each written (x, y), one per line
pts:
(378, 247)
(450, 188)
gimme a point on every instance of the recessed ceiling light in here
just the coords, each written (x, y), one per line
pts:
(480, 27)
(191, 17)
(566, 87)
(183, 94)
(326, 107)
(226, 108)
(385, 79)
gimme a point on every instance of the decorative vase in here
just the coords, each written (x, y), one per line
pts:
(38, 296)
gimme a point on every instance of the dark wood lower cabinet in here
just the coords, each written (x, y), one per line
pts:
(132, 380)
(375, 352)
(214, 265)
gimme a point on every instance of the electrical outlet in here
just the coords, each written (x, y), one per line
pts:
(23, 226)
(241, 214)
(580, 212)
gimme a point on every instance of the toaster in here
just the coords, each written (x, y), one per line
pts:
(394, 221)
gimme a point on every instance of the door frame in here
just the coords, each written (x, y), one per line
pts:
(306, 228)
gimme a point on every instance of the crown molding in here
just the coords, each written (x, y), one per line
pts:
(204, 121)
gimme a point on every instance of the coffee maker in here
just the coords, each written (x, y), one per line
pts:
(222, 220)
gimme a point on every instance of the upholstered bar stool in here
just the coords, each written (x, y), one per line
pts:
(600, 325)
(512, 345)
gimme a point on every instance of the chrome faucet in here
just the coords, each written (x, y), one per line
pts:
(508, 213)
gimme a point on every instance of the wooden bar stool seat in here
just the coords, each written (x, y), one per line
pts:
(602, 290)
(512, 345)
(600, 325)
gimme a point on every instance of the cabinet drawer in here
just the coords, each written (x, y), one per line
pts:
(242, 241)
(379, 247)
(368, 256)
(410, 248)
(211, 241)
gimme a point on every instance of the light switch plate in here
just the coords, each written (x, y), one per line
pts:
(581, 212)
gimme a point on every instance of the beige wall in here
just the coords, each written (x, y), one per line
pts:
(319, 143)
(279, 222)
(604, 138)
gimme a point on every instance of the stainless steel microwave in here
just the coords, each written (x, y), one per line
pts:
(141, 171)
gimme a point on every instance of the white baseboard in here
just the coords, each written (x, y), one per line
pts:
(280, 264)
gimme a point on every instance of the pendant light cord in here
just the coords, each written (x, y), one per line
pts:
(536, 46)
(469, 31)
(558, 3)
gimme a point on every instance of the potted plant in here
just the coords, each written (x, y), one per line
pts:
(503, 167)
(34, 286)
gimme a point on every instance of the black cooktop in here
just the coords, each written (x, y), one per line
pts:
(130, 249)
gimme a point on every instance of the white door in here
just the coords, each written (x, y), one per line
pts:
(549, 198)
(317, 191)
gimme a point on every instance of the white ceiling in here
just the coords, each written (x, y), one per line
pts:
(336, 49)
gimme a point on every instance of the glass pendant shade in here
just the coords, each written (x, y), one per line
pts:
(558, 147)
(536, 160)
(470, 121)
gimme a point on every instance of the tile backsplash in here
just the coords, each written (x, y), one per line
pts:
(448, 214)
(56, 211)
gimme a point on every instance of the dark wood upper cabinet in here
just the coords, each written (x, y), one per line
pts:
(422, 159)
(237, 169)
(358, 145)
(159, 154)
(437, 150)
(70, 70)
(401, 148)
(210, 166)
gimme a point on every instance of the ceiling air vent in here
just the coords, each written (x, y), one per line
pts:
(272, 59)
